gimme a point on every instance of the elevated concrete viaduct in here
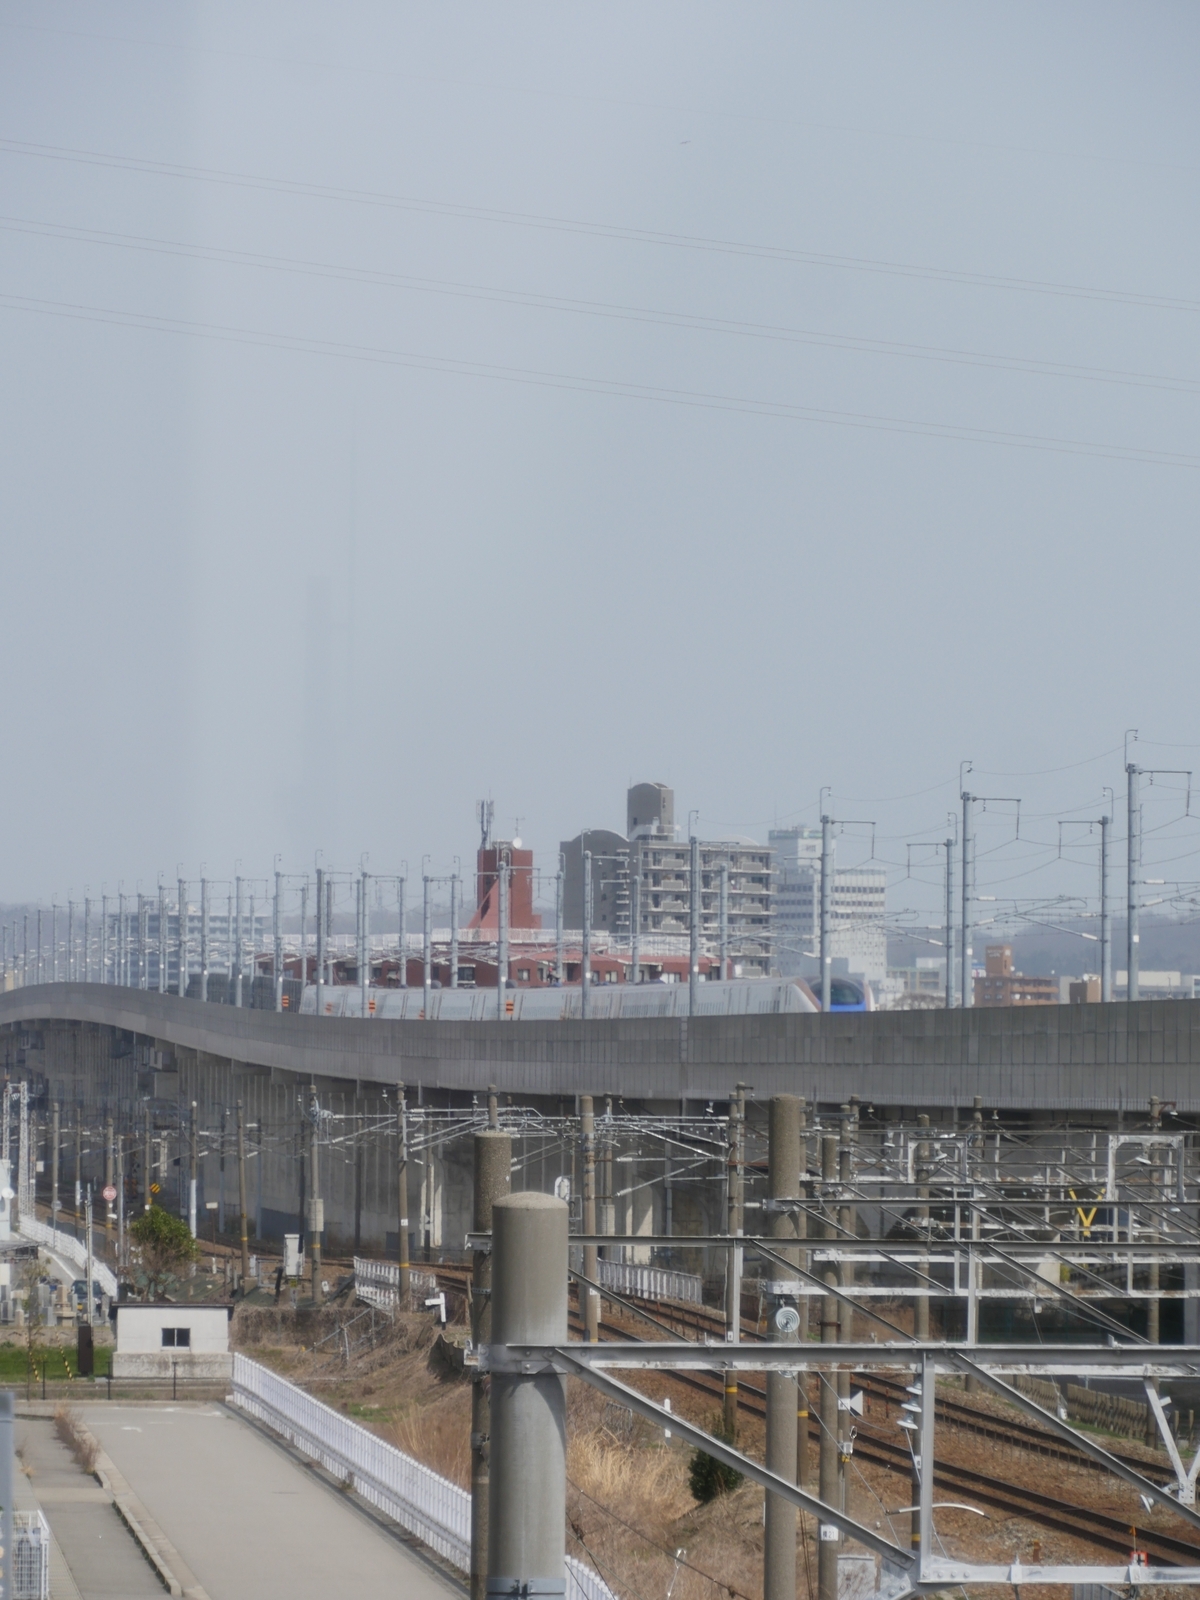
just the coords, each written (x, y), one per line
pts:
(105, 1051)
(1035, 1058)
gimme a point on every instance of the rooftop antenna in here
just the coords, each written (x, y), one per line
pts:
(485, 810)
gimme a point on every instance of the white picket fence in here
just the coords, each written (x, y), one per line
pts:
(64, 1244)
(31, 1556)
(378, 1282)
(437, 1511)
(649, 1283)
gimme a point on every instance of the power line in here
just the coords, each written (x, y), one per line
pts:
(678, 241)
(654, 316)
(571, 382)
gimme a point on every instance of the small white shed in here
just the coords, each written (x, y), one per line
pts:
(189, 1340)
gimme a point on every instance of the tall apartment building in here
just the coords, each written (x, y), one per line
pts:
(1001, 986)
(653, 854)
(857, 900)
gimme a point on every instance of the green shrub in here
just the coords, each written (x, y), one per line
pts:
(708, 1477)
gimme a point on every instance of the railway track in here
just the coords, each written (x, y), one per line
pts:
(872, 1444)
(960, 1414)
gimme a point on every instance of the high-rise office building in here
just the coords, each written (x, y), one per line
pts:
(857, 896)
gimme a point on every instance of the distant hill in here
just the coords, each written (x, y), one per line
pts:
(1166, 945)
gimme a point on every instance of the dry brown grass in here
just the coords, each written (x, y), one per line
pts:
(438, 1433)
(630, 1511)
(69, 1427)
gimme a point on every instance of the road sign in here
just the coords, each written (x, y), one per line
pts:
(155, 1188)
(109, 1193)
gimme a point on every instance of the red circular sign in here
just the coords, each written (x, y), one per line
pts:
(109, 1193)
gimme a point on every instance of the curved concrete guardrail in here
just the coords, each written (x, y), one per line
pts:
(437, 1511)
(1103, 1057)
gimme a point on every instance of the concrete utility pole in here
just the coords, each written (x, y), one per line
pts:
(825, 947)
(921, 1317)
(967, 961)
(55, 1129)
(606, 1205)
(78, 1170)
(693, 925)
(162, 938)
(801, 1228)
(316, 1204)
(89, 1257)
(328, 914)
(181, 938)
(1156, 1153)
(1105, 918)
(1133, 857)
(501, 933)
(303, 934)
(493, 1180)
(589, 1300)
(236, 951)
(204, 938)
(560, 959)
(427, 953)
(783, 1184)
(635, 913)
(949, 924)
(401, 886)
(320, 941)
(72, 969)
(103, 939)
(585, 955)
(193, 1169)
(735, 1170)
(527, 1503)
(147, 1158)
(454, 930)
(723, 922)
(829, 1490)
(241, 1161)
(847, 1229)
(364, 959)
(277, 940)
(87, 940)
(402, 1194)
(108, 1174)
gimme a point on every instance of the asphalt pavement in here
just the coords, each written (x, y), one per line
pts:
(248, 1520)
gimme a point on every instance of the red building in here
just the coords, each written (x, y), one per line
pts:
(520, 887)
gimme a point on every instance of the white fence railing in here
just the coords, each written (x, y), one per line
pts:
(649, 1283)
(31, 1556)
(378, 1282)
(437, 1511)
(73, 1249)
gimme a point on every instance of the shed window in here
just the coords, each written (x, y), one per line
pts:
(177, 1338)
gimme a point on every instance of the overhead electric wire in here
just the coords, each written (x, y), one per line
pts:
(655, 316)
(576, 383)
(678, 241)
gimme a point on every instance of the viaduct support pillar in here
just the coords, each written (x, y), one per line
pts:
(493, 1169)
(527, 1501)
(779, 1537)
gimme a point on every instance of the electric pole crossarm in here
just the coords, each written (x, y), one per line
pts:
(622, 1395)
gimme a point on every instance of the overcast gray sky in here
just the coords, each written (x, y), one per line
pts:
(404, 404)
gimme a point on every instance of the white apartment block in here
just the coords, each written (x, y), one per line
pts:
(856, 904)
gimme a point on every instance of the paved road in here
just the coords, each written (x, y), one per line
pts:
(96, 1556)
(249, 1521)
